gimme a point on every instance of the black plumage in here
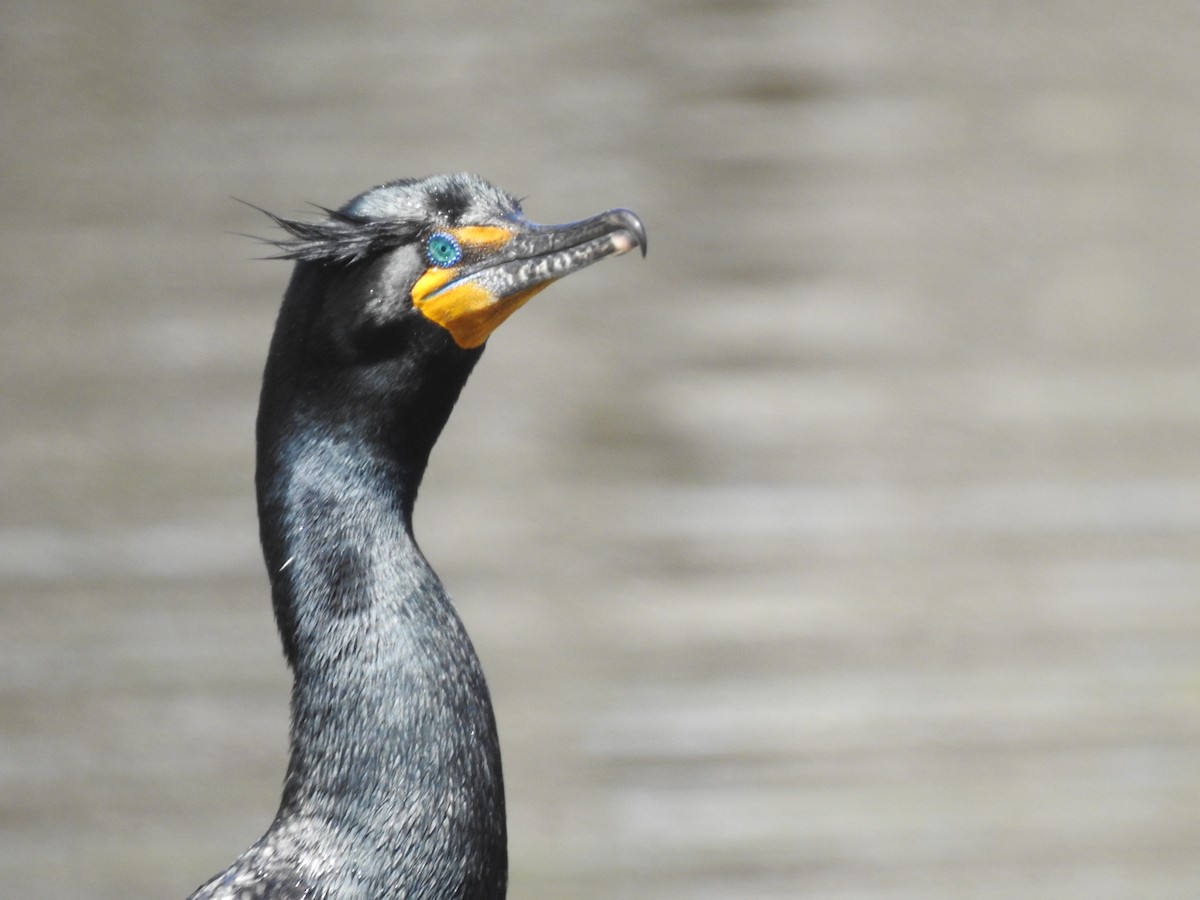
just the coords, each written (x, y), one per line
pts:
(394, 786)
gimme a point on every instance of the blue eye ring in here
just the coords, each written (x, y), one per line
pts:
(442, 249)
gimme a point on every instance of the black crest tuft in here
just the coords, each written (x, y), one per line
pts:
(391, 215)
(342, 237)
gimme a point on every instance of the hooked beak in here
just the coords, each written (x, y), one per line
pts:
(502, 267)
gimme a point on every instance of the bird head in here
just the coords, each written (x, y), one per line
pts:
(451, 250)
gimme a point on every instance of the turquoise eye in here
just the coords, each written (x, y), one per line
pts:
(442, 250)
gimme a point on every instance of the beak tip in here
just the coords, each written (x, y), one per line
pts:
(629, 220)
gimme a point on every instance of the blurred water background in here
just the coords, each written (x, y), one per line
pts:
(846, 547)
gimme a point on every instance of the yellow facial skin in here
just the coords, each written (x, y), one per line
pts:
(467, 310)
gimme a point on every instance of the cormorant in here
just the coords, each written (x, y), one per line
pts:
(393, 789)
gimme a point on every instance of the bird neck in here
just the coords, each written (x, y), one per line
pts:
(395, 763)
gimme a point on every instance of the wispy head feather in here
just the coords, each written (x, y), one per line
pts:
(341, 237)
(389, 216)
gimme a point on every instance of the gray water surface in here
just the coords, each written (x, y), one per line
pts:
(846, 547)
